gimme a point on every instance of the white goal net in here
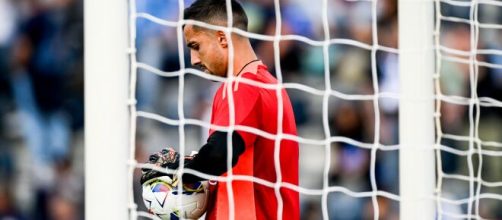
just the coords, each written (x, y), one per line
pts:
(468, 48)
(398, 104)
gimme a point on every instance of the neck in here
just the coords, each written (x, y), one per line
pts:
(243, 57)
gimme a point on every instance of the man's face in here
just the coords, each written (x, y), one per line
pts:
(208, 51)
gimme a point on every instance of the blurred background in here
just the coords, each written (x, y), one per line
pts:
(41, 101)
(41, 105)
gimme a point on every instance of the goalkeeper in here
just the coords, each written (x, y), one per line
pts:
(255, 107)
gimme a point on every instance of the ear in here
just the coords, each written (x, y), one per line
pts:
(222, 39)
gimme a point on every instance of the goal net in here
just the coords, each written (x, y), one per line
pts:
(467, 117)
(398, 104)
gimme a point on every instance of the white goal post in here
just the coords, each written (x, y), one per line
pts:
(416, 109)
(106, 109)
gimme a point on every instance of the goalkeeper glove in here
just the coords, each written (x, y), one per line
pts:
(167, 158)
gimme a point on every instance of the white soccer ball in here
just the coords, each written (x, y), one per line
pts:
(161, 199)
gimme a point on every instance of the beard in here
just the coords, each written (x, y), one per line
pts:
(206, 70)
(202, 68)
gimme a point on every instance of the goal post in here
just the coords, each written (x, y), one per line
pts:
(106, 109)
(416, 109)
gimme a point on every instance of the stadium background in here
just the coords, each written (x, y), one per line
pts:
(41, 100)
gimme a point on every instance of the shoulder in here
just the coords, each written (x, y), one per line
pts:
(259, 80)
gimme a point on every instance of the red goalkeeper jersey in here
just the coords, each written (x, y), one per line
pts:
(257, 107)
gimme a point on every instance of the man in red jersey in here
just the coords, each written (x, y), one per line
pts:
(266, 109)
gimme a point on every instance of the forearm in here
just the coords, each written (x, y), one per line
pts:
(212, 157)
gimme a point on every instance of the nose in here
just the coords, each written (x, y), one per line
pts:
(194, 58)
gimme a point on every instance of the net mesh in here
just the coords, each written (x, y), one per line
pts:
(475, 55)
(460, 192)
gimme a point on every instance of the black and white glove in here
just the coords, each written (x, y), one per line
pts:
(167, 158)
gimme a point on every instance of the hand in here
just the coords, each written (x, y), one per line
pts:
(167, 158)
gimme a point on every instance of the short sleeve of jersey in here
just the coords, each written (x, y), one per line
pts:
(245, 102)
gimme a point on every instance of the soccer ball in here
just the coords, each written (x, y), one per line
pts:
(161, 199)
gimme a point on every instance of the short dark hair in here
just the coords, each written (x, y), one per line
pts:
(215, 11)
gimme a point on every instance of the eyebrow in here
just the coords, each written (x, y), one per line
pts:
(191, 44)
